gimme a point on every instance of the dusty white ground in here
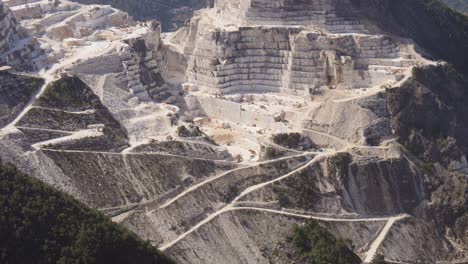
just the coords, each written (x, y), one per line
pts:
(240, 121)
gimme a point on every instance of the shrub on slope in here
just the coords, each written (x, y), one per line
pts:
(319, 246)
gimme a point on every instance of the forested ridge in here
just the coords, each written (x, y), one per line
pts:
(39, 224)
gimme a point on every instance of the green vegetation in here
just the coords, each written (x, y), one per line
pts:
(72, 94)
(268, 152)
(319, 246)
(438, 29)
(339, 163)
(379, 259)
(15, 92)
(290, 140)
(294, 141)
(192, 131)
(69, 93)
(39, 224)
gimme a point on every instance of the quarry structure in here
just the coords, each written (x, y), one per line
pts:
(212, 141)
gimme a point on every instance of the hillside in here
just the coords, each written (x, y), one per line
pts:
(440, 31)
(461, 5)
(262, 131)
(42, 225)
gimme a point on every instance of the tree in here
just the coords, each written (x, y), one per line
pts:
(39, 224)
(379, 259)
(319, 246)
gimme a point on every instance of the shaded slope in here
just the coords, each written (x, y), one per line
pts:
(69, 104)
(15, 92)
(460, 5)
(41, 225)
(438, 29)
(429, 119)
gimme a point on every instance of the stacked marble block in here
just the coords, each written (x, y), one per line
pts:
(258, 59)
(28, 9)
(321, 13)
(279, 59)
(132, 68)
(289, 59)
(141, 64)
(232, 111)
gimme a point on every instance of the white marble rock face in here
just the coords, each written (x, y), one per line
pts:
(197, 170)
(230, 51)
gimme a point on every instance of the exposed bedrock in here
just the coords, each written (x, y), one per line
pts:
(185, 148)
(255, 236)
(15, 93)
(419, 246)
(428, 115)
(334, 16)
(291, 60)
(133, 72)
(11, 30)
(113, 180)
(346, 184)
(164, 223)
(17, 49)
(68, 21)
(69, 106)
(142, 64)
(429, 118)
(397, 17)
(364, 120)
(324, 116)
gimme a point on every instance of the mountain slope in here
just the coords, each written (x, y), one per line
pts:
(373, 133)
(42, 225)
(460, 5)
(441, 31)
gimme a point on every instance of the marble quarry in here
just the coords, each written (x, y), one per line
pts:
(211, 142)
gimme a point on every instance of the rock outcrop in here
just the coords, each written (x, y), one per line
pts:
(213, 141)
(17, 49)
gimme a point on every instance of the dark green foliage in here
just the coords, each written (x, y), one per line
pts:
(41, 225)
(182, 131)
(318, 246)
(294, 141)
(192, 131)
(441, 31)
(379, 259)
(69, 93)
(15, 92)
(290, 140)
(269, 152)
(72, 94)
(432, 122)
(429, 119)
(339, 163)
